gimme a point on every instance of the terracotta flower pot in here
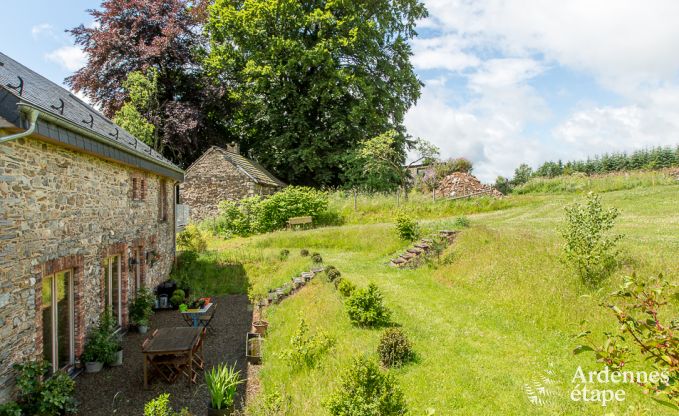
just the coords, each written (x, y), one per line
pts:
(260, 327)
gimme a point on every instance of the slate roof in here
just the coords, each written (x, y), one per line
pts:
(32, 88)
(254, 170)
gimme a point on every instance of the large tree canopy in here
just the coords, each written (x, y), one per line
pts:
(163, 37)
(314, 78)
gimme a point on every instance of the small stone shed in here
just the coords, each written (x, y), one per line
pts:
(224, 174)
(87, 218)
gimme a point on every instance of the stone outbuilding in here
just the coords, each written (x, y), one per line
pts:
(224, 174)
(87, 218)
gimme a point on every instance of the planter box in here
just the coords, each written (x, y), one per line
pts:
(253, 348)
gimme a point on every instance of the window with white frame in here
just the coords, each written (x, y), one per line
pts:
(113, 292)
(58, 314)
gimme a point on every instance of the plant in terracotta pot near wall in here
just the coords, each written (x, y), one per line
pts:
(222, 382)
(260, 324)
(99, 350)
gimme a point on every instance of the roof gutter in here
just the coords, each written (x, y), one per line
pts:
(30, 108)
(33, 114)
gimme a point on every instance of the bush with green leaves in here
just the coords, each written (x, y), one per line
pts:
(305, 348)
(292, 201)
(332, 274)
(160, 406)
(366, 307)
(408, 229)
(39, 395)
(365, 390)
(316, 258)
(222, 382)
(178, 297)
(284, 254)
(191, 239)
(589, 247)
(304, 252)
(240, 218)
(394, 348)
(645, 313)
(345, 287)
(462, 222)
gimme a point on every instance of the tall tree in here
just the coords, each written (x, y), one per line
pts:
(315, 77)
(164, 36)
(385, 153)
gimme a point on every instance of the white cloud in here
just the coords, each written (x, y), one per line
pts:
(42, 28)
(71, 58)
(497, 47)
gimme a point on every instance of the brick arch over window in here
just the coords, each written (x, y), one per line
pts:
(76, 264)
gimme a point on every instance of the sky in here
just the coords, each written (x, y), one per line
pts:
(506, 81)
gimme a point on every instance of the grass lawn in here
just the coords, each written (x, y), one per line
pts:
(495, 315)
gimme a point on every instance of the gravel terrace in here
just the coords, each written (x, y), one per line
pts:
(119, 390)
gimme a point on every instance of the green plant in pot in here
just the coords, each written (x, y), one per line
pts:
(141, 309)
(222, 382)
(99, 349)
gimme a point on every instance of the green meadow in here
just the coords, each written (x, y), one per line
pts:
(492, 320)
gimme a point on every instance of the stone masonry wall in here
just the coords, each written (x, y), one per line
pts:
(212, 180)
(61, 209)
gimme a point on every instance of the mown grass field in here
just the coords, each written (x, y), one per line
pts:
(498, 312)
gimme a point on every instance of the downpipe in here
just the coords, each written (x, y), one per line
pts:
(33, 120)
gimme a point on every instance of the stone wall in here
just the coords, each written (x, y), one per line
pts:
(213, 179)
(62, 210)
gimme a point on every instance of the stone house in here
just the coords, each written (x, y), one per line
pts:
(87, 217)
(224, 174)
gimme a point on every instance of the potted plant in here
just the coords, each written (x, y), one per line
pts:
(222, 382)
(141, 309)
(260, 324)
(118, 343)
(99, 350)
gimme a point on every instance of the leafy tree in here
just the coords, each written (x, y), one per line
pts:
(588, 247)
(522, 174)
(503, 185)
(450, 166)
(387, 152)
(134, 115)
(641, 307)
(164, 36)
(315, 77)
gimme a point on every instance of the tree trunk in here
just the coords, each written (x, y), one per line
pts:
(355, 202)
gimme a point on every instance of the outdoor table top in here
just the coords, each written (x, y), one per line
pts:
(173, 340)
(201, 310)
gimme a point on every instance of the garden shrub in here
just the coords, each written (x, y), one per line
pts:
(178, 297)
(332, 274)
(462, 222)
(239, 217)
(407, 228)
(394, 348)
(589, 248)
(305, 349)
(39, 395)
(316, 258)
(292, 201)
(284, 254)
(304, 252)
(366, 307)
(160, 406)
(191, 239)
(364, 390)
(329, 267)
(345, 287)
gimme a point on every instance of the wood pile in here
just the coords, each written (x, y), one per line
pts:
(460, 185)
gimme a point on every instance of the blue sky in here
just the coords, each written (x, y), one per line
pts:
(507, 81)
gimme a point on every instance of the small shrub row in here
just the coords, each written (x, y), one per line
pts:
(366, 308)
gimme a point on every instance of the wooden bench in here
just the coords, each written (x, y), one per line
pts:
(299, 221)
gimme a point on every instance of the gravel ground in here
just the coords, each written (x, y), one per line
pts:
(119, 390)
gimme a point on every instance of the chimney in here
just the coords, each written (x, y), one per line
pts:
(233, 147)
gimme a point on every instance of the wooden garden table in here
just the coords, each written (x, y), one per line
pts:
(172, 341)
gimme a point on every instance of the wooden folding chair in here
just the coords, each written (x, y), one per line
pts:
(205, 319)
(197, 352)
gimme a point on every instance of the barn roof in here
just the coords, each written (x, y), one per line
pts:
(254, 170)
